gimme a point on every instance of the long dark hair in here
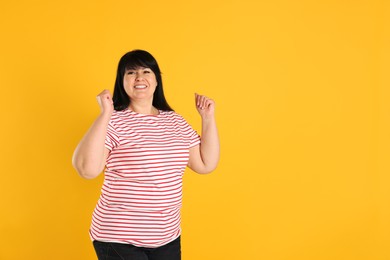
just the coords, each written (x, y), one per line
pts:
(133, 60)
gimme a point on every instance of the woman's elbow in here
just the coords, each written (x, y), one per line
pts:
(86, 172)
(88, 175)
(206, 169)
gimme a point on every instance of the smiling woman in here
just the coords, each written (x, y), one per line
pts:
(144, 147)
(134, 68)
(140, 84)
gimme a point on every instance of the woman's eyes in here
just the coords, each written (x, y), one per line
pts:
(132, 72)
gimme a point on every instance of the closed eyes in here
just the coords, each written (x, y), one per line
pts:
(133, 72)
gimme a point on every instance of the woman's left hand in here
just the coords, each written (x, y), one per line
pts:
(204, 105)
(205, 156)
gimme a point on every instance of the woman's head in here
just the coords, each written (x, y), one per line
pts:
(131, 61)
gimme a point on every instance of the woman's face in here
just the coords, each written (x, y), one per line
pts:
(140, 83)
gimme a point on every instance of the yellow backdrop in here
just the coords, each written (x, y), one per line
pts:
(302, 93)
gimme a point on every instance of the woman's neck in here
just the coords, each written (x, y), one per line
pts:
(143, 108)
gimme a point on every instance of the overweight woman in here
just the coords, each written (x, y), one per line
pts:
(143, 146)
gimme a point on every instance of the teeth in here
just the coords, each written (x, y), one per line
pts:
(140, 86)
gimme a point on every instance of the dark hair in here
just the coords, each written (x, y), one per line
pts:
(133, 60)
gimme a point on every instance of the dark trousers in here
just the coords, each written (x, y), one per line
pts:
(117, 251)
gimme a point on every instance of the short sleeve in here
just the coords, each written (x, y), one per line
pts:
(191, 134)
(194, 139)
(112, 139)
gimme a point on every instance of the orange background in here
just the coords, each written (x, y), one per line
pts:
(302, 93)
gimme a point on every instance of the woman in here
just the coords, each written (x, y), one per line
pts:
(144, 147)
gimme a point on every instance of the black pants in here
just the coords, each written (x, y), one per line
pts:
(117, 251)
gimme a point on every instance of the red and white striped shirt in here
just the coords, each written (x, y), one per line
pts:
(141, 196)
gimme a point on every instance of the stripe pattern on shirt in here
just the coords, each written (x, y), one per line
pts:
(141, 196)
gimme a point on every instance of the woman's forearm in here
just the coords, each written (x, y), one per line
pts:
(209, 146)
(89, 156)
(205, 156)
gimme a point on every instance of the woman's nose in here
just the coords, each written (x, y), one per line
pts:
(138, 76)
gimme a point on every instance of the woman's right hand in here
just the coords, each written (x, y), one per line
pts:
(105, 102)
(90, 155)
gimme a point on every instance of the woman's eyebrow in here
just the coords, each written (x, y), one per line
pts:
(138, 68)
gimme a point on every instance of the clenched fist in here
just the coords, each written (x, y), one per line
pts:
(105, 102)
(205, 106)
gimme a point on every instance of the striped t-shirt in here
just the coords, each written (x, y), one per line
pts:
(141, 196)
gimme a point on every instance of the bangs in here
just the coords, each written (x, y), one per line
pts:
(137, 59)
(135, 64)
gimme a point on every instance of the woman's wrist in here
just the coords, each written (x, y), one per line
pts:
(208, 118)
(105, 115)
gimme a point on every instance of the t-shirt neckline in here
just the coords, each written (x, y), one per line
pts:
(133, 113)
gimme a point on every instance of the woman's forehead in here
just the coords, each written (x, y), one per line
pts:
(136, 67)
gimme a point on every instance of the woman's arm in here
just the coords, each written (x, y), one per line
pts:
(90, 155)
(205, 156)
